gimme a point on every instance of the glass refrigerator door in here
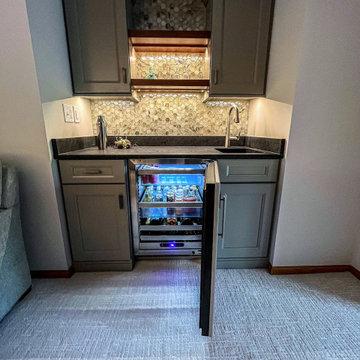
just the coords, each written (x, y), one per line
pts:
(170, 199)
(208, 252)
(171, 207)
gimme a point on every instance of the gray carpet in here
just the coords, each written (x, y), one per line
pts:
(152, 313)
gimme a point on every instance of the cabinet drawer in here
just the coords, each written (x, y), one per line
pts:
(92, 171)
(235, 171)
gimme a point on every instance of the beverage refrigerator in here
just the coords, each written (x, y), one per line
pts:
(174, 213)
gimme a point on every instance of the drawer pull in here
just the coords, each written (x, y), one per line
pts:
(93, 172)
(216, 75)
(124, 74)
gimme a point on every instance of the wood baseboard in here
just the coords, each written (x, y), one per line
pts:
(355, 272)
(241, 263)
(285, 270)
(120, 265)
(52, 274)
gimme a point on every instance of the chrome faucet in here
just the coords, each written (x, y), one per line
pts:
(236, 120)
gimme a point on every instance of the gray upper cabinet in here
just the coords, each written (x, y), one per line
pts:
(98, 224)
(245, 220)
(98, 46)
(239, 46)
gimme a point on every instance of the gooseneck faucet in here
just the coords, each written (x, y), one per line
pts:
(236, 120)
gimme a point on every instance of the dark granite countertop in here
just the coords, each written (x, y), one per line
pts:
(138, 152)
(83, 148)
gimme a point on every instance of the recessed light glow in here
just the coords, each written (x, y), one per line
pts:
(169, 57)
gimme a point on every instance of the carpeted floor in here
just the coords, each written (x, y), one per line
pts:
(152, 313)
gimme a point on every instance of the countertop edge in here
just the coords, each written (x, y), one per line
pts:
(158, 156)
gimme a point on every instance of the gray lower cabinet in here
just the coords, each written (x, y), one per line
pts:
(245, 219)
(98, 225)
(239, 46)
(98, 46)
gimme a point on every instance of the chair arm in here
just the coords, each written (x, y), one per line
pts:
(10, 187)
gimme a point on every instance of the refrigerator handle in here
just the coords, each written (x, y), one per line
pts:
(222, 207)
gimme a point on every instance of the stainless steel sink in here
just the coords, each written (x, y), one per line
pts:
(239, 150)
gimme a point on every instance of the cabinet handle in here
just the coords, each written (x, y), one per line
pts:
(124, 74)
(216, 74)
(93, 172)
(223, 202)
(121, 201)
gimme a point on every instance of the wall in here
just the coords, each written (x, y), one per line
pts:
(168, 114)
(166, 65)
(169, 15)
(286, 40)
(318, 219)
(269, 118)
(23, 140)
(50, 48)
(55, 125)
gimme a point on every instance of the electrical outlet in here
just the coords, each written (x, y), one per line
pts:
(68, 113)
(76, 114)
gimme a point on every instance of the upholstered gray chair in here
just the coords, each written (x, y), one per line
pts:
(15, 277)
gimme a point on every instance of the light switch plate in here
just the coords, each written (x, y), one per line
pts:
(68, 113)
(76, 114)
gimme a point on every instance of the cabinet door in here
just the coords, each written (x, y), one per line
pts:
(239, 46)
(98, 222)
(245, 220)
(98, 45)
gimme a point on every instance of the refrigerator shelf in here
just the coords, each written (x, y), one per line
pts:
(170, 227)
(172, 204)
(171, 170)
(175, 204)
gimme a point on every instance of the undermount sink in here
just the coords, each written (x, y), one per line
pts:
(239, 149)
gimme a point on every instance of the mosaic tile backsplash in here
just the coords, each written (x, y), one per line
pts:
(171, 66)
(168, 114)
(169, 15)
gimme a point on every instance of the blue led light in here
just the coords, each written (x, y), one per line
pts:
(172, 245)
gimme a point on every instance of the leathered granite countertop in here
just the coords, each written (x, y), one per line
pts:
(84, 149)
(139, 152)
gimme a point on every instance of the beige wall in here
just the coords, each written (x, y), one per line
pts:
(269, 118)
(285, 50)
(320, 205)
(23, 141)
(55, 125)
